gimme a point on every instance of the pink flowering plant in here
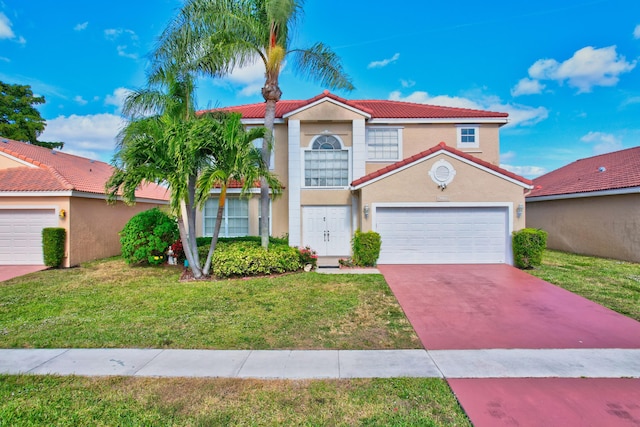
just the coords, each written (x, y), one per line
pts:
(308, 256)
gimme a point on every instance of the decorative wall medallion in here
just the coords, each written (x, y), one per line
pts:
(442, 173)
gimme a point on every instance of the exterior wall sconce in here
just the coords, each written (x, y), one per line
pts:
(520, 210)
(62, 213)
(366, 211)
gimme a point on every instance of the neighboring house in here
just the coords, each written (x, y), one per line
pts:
(47, 188)
(591, 206)
(425, 177)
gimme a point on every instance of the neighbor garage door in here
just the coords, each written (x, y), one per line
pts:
(448, 235)
(21, 235)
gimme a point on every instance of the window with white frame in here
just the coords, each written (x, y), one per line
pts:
(235, 217)
(468, 136)
(326, 164)
(384, 144)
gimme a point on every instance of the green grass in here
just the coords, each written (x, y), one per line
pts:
(72, 401)
(611, 283)
(106, 304)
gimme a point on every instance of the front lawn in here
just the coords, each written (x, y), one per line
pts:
(106, 304)
(611, 283)
(73, 401)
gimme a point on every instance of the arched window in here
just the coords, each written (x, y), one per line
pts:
(326, 164)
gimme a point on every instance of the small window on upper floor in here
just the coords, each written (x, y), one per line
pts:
(384, 144)
(468, 136)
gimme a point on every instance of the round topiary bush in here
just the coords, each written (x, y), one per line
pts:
(147, 236)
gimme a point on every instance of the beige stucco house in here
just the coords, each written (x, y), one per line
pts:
(591, 206)
(48, 188)
(426, 178)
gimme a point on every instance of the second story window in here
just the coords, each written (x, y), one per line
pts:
(468, 136)
(326, 164)
(384, 144)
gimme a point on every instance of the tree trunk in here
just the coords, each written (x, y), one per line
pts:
(216, 230)
(271, 93)
(193, 265)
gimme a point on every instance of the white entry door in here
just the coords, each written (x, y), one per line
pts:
(327, 229)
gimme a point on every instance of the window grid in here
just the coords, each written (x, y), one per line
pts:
(235, 219)
(468, 135)
(383, 144)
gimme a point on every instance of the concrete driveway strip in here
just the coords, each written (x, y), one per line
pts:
(387, 364)
(524, 363)
(98, 362)
(20, 361)
(195, 363)
(291, 364)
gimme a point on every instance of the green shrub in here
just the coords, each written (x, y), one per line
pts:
(366, 248)
(201, 241)
(147, 236)
(308, 256)
(528, 246)
(240, 258)
(53, 242)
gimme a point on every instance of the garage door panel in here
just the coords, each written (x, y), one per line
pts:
(21, 235)
(442, 235)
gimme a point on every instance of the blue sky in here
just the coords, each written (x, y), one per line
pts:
(566, 72)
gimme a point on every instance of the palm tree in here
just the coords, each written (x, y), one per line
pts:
(215, 36)
(235, 160)
(158, 145)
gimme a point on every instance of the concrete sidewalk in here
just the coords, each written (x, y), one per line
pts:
(323, 364)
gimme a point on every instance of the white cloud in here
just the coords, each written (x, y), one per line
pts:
(5, 27)
(636, 32)
(123, 34)
(122, 51)
(407, 83)
(588, 67)
(4, 59)
(525, 171)
(519, 115)
(527, 86)
(117, 98)
(92, 136)
(250, 78)
(507, 157)
(81, 27)
(384, 62)
(80, 100)
(603, 142)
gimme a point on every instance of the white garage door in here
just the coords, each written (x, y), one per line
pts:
(452, 235)
(21, 235)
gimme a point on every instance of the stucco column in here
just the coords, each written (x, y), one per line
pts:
(359, 149)
(295, 182)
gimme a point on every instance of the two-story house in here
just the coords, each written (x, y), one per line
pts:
(426, 178)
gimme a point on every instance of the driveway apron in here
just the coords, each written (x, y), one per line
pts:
(10, 271)
(457, 307)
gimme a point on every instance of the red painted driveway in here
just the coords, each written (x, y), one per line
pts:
(498, 306)
(565, 402)
(10, 271)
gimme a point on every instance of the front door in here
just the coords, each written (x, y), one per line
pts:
(327, 229)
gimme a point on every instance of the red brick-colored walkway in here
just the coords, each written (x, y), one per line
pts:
(10, 271)
(498, 306)
(539, 402)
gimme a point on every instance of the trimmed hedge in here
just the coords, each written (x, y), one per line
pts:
(53, 242)
(366, 248)
(147, 236)
(528, 246)
(240, 258)
(202, 241)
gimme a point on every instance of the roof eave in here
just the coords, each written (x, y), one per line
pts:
(599, 193)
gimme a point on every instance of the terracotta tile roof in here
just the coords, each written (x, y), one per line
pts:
(440, 147)
(611, 171)
(58, 171)
(377, 109)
